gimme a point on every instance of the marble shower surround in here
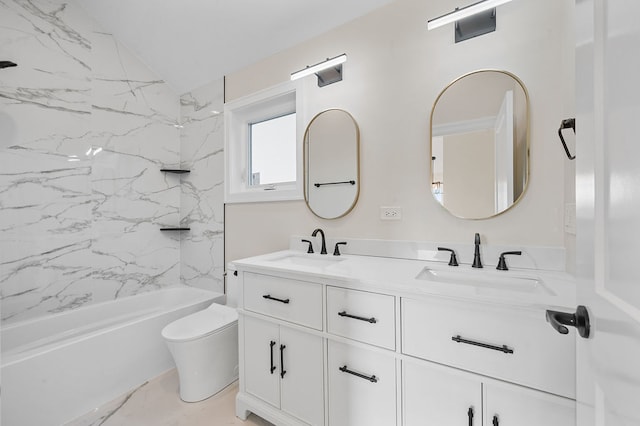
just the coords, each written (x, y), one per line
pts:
(202, 199)
(84, 129)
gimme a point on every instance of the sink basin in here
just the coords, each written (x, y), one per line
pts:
(485, 280)
(318, 261)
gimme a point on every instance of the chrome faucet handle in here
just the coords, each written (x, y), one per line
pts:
(453, 260)
(310, 249)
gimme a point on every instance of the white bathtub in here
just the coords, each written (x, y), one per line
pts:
(56, 368)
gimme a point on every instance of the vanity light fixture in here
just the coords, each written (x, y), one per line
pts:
(328, 72)
(464, 12)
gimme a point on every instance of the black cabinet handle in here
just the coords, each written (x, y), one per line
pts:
(579, 320)
(268, 296)
(273, 367)
(495, 420)
(282, 370)
(372, 320)
(372, 379)
(503, 348)
(470, 414)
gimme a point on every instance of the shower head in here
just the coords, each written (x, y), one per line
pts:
(7, 64)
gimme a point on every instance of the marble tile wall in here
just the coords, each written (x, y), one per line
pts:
(202, 201)
(84, 129)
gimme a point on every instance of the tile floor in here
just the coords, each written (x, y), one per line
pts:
(156, 403)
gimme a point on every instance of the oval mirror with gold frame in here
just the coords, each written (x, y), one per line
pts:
(480, 144)
(332, 164)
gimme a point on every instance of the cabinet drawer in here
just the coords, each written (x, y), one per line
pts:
(502, 342)
(296, 301)
(362, 386)
(363, 316)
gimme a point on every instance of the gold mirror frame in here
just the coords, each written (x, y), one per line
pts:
(349, 204)
(526, 135)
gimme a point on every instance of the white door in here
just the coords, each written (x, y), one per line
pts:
(608, 209)
(503, 137)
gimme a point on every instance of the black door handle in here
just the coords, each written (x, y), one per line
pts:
(579, 320)
(470, 414)
(495, 420)
(273, 367)
(282, 370)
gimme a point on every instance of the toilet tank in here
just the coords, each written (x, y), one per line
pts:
(232, 285)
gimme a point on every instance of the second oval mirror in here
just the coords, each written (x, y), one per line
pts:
(331, 164)
(480, 144)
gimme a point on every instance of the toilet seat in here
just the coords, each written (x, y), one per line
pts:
(200, 324)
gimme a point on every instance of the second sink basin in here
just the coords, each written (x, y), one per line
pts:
(485, 280)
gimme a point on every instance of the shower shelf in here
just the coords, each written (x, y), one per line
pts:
(177, 171)
(175, 229)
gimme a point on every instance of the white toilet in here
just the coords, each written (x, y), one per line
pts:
(204, 346)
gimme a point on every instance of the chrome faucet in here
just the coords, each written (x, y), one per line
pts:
(324, 244)
(477, 263)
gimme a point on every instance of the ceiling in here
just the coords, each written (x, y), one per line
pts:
(189, 43)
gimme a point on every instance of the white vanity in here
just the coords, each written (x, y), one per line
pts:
(370, 340)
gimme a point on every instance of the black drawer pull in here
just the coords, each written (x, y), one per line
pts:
(495, 421)
(502, 348)
(470, 414)
(345, 314)
(273, 367)
(372, 379)
(282, 370)
(268, 296)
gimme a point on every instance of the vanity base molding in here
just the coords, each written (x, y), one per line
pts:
(247, 404)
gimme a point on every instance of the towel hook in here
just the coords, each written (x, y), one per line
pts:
(569, 123)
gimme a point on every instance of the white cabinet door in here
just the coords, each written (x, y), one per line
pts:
(302, 390)
(261, 360)
(362, 386)
(432, 396)
(284, 367)
(511, 405)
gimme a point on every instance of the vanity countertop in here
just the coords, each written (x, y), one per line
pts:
(526, 288)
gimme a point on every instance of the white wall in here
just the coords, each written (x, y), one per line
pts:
(395, 70)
